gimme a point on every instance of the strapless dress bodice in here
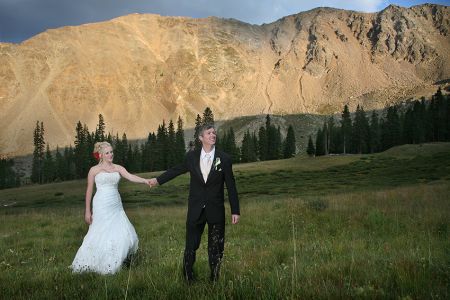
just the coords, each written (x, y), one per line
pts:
(107, 180)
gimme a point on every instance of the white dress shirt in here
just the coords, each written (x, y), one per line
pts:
(204, 166)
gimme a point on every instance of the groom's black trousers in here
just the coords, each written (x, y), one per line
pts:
(216, 239)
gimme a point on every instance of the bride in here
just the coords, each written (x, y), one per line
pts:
(111, 238)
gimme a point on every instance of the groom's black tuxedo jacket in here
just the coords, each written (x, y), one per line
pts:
(209, 195)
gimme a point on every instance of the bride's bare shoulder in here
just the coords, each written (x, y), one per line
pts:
(94, 170)
(118, 167)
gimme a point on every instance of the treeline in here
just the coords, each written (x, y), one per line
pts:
(161, 150)
(417, 122)
(266, 144)
(8, 177)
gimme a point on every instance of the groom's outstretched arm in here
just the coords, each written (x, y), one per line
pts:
(173, 172)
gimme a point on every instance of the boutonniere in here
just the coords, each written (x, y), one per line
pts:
(217, 166)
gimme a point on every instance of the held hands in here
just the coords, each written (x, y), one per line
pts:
(153, 182)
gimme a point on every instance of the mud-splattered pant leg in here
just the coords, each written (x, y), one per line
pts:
(216, 241)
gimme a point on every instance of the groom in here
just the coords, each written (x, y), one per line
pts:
(209, 168)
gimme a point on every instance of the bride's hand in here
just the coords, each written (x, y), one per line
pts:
(88, 217)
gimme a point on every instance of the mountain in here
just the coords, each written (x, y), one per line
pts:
(139, 69)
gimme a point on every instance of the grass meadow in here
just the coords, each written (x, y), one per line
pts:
(354, 226)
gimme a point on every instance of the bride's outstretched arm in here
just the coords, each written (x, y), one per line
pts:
(134, 178)
(88, 199)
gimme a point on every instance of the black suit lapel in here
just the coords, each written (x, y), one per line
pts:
(197, 164)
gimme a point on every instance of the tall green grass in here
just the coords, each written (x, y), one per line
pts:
(372, 226)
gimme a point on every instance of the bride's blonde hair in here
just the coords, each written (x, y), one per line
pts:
(99, 148)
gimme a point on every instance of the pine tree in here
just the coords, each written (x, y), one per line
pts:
(246, 147)
(320, 145)
(262, 143)
(219, 141)
(233, 150)
(270, 138)
(144, 156)
(441, 122)
(433, 109)
(8, 177)
(130, 163)
(289, 147)
(90, 142)
(137, 159)
(223, 142)
(252, 153)
(427, 120)
(346, 129)
(337, 140)
(198, 125)
(390, 129)
(161, 145)
(38, 153)
(402, 124)
(150, 154)
(361, 131)
(81, 157)
(109, 138)
(180, 147)
(121, 149)
(311, 151)
(408, 127)
(447, 117)
(100, 130)
(171, 145)
(144, 150)
(60, 166)
(278, 144)
(273, 140)
(375, 133)
(255, 146)
(69, 159)
(419, 126)
(208, 117)
(325, 138)
(36, 166)
(49, 167)
(332, 140)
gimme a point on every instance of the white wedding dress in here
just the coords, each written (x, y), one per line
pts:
(111, 238)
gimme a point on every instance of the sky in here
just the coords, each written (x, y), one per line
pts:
(22, 19)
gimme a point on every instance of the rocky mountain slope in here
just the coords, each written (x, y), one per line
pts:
(139, 69)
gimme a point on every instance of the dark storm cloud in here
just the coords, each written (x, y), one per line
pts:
(21, 19)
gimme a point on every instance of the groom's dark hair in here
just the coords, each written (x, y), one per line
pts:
(205, 127)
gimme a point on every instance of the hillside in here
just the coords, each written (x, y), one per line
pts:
(310, 228)
(302, 175)
(139, 69)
